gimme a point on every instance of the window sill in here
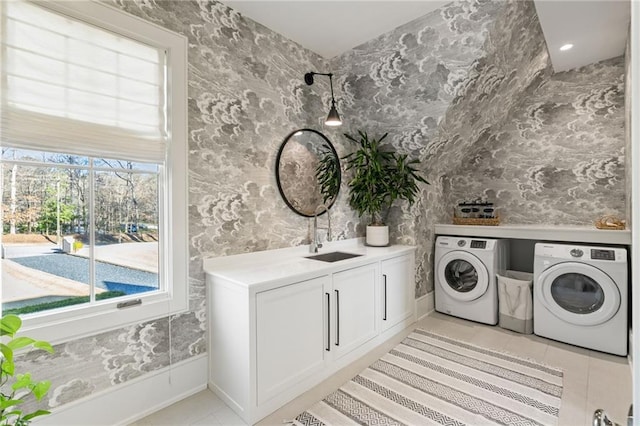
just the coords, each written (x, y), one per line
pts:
(72, 324)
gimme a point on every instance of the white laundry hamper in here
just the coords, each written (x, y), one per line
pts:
(515, 301)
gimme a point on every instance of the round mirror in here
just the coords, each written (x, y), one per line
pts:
(308, 171)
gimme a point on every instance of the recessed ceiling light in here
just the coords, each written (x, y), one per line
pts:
(566, 47)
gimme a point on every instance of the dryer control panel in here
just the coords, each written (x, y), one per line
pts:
(581, 253)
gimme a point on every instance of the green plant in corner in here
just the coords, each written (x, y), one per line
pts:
(15, 387)
(380, 177)
(328, 174)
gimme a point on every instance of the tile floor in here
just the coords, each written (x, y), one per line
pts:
(591, 379)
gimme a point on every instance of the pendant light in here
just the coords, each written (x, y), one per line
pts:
(333, 119)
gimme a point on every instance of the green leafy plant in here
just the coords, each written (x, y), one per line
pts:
(328, 174)
(380, 177)
(14, 387)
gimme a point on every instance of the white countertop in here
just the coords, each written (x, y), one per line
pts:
(567, 233)
(270, 266)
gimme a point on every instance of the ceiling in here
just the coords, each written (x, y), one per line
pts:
(597, 28)
(332, 27)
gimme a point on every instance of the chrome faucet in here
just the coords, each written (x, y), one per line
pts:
(315, 242)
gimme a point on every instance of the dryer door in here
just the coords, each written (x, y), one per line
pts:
(462, 276)
(578, 293)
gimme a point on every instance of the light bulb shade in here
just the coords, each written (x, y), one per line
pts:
(333, 119)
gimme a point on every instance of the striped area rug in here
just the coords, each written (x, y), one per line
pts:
(433, 379)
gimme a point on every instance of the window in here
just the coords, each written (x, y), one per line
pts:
(93, 115)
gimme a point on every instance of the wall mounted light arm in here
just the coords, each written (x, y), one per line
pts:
(333, 119)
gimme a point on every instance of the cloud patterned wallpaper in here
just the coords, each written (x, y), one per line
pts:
(246, 94)
(558, 156)
(467, 89)
(627, 126)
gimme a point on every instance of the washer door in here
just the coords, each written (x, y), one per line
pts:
(462, 276)
(578, 293)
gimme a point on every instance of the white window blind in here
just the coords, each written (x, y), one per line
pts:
(74, 86)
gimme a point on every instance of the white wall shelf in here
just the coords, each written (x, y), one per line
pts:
(538, 233)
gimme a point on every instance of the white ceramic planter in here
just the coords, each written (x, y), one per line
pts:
(378, 236)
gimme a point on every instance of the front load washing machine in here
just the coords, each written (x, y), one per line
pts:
(580, 296)
(465, 277)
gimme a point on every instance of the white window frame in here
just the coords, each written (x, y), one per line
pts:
(84, 320)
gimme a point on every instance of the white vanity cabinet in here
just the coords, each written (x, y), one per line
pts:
(397, 297)
(280, 323)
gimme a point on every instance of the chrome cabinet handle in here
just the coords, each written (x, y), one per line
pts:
(384, 316)
(337, 318)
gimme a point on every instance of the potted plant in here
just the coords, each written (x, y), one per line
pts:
(380, 177)
(15, 387)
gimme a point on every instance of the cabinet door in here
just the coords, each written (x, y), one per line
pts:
(354, 295)
(397, 290)
(290, 337)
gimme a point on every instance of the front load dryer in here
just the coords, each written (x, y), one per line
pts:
(465, 277)
(580, 296)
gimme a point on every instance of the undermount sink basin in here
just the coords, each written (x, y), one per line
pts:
(333, 256)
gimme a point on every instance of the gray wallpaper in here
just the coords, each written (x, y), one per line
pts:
(558, 156)
(438, 85)
(627, 122)
(467, 89)
(246, 94)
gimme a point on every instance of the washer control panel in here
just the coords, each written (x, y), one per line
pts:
(600, 254)
(465, 243)
(479, 244)
(576, 252)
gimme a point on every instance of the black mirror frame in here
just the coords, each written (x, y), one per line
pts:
(281, 149)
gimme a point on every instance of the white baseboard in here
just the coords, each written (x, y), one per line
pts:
(125, 403)
(424, 305)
